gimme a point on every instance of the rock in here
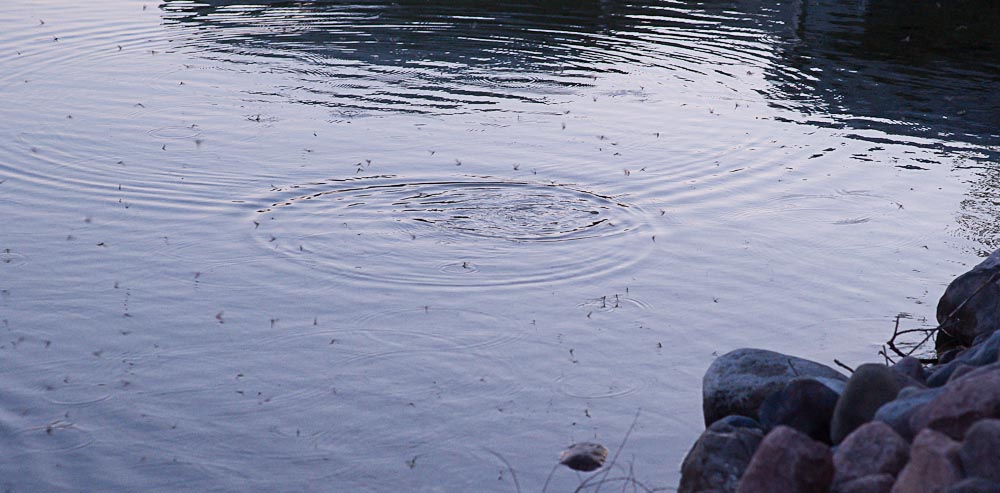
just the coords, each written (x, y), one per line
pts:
(584, 456)
(980, 452)
(871, 386)
(974, 485)
(963, 402)
(738, 381)
(897, 413)
(933, 467)
(876, 483)
(789, 462)
(804, 404)
(982, 354)
(719, 457)
(874, 448)
(979, 315)
(960, 371)
(911, 368)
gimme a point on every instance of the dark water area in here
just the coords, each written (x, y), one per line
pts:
(424, 246)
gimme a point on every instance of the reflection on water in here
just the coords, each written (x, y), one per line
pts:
(423, 246)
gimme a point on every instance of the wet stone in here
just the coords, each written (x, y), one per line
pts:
(739, 381)
(584, 456)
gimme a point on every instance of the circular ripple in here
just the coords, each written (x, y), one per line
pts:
(472, 232)
(596, 383)
(56, 436)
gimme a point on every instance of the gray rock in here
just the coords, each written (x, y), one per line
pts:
(876, 483)
(872, 449)
(737, 382)
(983, 353)
(980, 452)
(871, 386)
(933, 466)
(719, 457)
(980, 313)
(789, 462)
(964, 401)
(897, 413)
(974, 485)
(804, 404)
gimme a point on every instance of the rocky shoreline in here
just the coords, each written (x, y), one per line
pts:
(778, 423)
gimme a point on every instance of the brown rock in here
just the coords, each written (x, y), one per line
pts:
(964, 401)
(876, 483)
(874, 448)
(790, 462)
(933, 467)
(980, 452)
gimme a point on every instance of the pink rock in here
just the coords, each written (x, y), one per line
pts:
(876, 483)
(974, 396)
(790, 462)
(934, 465)
(980, 452)
(873, 448)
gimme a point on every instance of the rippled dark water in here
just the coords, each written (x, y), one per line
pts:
(423, 246)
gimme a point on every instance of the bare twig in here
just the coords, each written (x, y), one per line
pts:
(607, 469)
(848, 368)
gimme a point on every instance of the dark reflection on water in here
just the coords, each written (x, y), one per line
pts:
(440, 57)
(924, 68)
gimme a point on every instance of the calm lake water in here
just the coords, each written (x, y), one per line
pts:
(424, 246)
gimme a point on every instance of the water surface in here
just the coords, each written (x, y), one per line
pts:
(424, 246)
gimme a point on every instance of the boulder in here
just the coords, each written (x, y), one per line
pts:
(738, 381)
(980, 451)
(969, 307)
(964, 401)
(876, 483)
(719, 457)
(872, 449)
(974, 485)
(897, 413)
(790, 462)
(871, 385)
(804, 404)
(933, 467)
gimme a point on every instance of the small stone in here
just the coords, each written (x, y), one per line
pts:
(871, 386)
(584, 456)
(963, 402)
(790, 462)
(738, 381)
(719, 457)
(876, 483)
(981, 354)
(897, 413)
(933, 467)
(974, 485)
(804, 404)
(874, 448)
(980, 452)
